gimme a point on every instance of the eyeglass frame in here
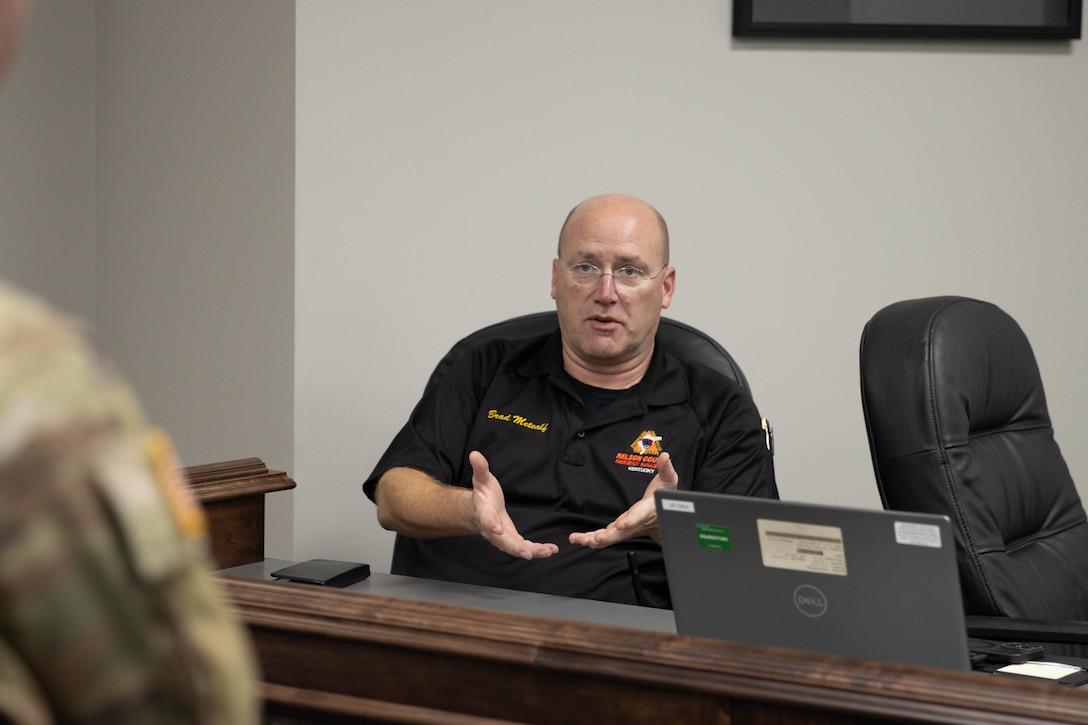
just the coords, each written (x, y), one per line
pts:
(601, 274)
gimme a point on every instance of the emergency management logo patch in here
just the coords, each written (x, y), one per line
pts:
(644, 452)
(647, 444)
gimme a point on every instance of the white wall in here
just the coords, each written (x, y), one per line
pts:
(148, 181)
(806, 184)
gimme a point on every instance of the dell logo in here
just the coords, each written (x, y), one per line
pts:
(809, 600)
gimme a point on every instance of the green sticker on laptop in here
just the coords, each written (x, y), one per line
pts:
(714, 537)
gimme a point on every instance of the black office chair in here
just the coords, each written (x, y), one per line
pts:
(676, 337)
(681, 340)
(958, 425)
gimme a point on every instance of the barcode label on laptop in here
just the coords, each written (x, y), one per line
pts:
(802, 547)
(913, 534)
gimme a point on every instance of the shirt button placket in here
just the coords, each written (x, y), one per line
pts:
(573, 454)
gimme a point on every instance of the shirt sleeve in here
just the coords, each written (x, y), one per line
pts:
(435, 438)
(738, 459)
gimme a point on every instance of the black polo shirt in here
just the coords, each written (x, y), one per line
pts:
(563, 470)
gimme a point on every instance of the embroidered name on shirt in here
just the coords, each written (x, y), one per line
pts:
(517, 420)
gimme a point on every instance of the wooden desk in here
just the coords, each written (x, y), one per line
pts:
(351, 656)
(232, 494)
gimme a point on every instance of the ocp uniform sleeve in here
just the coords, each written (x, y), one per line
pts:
(107, 602)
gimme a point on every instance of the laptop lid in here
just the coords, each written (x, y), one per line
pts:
(872, 584)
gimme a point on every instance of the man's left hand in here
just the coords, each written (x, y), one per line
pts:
(640, 519)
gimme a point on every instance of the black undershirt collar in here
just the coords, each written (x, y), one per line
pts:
(594, 398)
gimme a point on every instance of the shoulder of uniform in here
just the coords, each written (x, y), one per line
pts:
(53, 377)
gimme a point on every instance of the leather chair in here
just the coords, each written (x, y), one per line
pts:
(958, 425)
(682, 340)
(678, 338)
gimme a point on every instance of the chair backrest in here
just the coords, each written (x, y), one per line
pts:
(958, 425)
(682, 340)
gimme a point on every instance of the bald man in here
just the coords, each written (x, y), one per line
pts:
(514, 471)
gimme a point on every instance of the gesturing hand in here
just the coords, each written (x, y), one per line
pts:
(640, 519)
(492, 519)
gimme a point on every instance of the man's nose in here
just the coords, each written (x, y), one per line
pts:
(606, 287)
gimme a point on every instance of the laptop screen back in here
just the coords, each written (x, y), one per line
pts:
(877, 585)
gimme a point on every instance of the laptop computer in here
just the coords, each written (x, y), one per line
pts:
(872, 584)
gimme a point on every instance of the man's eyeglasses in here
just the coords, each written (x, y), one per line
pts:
(585, 274)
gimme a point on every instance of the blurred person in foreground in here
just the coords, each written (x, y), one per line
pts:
(108, 609)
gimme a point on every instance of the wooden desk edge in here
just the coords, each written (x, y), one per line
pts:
(708, 668)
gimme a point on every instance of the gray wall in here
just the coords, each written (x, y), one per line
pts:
(47, 159)
(807, 184)
(195, 203)
(147, 186)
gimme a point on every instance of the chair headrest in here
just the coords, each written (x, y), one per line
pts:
(675, 337)
(971, 359)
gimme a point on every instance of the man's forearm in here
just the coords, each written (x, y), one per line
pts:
(413, 504)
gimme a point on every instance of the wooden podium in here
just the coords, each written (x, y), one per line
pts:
(232, 494)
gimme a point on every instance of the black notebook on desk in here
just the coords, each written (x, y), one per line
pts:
(324, 572)
(872, 584)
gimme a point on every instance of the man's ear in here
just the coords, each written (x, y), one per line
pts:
(669, 286)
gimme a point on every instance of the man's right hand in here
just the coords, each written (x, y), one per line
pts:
(492, 519)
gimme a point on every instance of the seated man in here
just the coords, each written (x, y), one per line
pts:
(507, 472)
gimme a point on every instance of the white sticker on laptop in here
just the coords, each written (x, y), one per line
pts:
(671, 504)
(915, 534)
(802, 547)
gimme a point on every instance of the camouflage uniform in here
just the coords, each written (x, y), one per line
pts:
(108, 612)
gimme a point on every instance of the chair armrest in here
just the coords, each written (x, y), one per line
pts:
(1011, 629)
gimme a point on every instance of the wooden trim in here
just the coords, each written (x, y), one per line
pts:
(490, 664)
(232, 495)
(285, 700)
(232, 479)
